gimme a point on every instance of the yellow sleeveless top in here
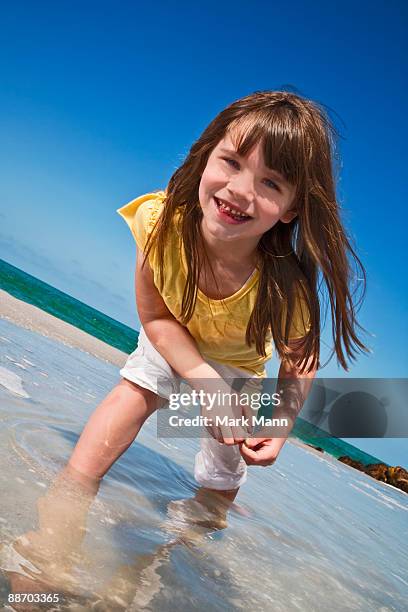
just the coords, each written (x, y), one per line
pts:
(218, 326)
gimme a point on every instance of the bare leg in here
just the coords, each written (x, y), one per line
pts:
(63, 510)
(229, 495)
(112, 428)
(216, 503)
(189, 520)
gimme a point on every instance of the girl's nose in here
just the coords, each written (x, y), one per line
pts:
(242, 186)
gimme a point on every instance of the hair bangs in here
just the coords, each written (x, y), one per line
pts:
(283, 140)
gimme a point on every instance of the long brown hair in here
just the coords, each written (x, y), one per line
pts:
(298, 140)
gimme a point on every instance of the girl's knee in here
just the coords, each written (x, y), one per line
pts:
(127, 388)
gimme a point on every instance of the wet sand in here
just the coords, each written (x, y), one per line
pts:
(37, 320)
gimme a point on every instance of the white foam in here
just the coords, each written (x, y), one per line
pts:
(20, 365)
(5, 339)
(383, 496)
(27, 362)
(394, 502)
(167, 444)
(12, 561)
(399, 578)
(12, 382)
(378, 499)
(70, 386)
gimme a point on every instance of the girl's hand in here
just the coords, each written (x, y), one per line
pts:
(261, 451)
(238, 419)
(228, 434)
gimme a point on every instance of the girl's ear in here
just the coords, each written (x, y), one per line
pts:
(288, 216)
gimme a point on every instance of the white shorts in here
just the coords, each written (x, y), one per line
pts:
(217, 466)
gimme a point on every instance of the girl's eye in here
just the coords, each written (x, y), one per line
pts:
(235, 164)
(231, 162)
(272, 184)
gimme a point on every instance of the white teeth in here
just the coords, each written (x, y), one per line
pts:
(233, 213)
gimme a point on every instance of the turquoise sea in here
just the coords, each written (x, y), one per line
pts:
(34, 291)
(308, 533)
(25, 287)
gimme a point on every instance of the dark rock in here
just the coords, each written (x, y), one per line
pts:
(379, 471)
(395, 476)
(398, 477)
(318, 448)
(355, 464)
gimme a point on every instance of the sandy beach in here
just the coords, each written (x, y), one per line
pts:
(33, 318)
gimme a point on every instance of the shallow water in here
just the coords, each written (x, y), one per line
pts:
(307, 534)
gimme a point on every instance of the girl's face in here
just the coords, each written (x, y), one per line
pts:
(246, 186)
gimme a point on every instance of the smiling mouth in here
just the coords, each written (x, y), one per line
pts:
(234, 214)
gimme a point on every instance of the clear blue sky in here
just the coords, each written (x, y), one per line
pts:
(100, 102)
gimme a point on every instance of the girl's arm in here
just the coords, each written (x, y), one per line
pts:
(294, 388)
(171, 339)
(174, 342)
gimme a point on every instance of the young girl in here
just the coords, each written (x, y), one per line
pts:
(229, 261)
